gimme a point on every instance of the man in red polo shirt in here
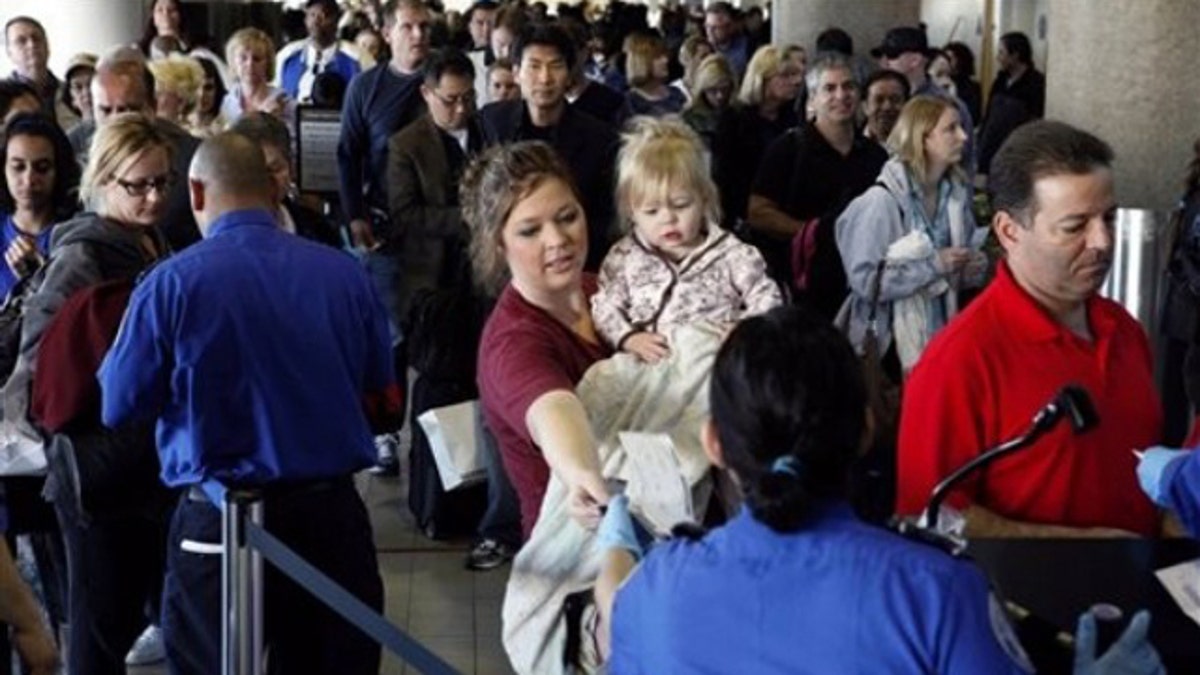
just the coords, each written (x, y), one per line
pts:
(1040, 325)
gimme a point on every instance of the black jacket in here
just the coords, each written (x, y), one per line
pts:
(589, 148)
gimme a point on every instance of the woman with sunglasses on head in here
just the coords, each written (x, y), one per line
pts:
(103, 482)
(36, 191)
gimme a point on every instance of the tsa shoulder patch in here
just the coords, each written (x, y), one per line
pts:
(1005, 635)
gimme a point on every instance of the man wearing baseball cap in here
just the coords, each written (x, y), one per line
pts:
(906, 50)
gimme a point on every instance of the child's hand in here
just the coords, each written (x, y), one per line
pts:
(649, 347)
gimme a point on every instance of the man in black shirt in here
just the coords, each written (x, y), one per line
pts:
(1017, 96)
(807, 178)
(545, 56)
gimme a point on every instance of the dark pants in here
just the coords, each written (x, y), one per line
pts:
(115, 568)
(502, 520)
(329, 528)
(384, 269)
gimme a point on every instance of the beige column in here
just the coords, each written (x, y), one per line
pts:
(1126, 71)
(800, 21)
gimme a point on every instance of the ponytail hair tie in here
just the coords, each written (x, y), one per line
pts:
(789, 464)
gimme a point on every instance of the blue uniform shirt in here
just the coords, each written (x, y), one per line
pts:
(255, 349)
(1181, 480)
(297, 63)
(840, 596)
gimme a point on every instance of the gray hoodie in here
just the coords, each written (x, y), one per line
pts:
(83, 251)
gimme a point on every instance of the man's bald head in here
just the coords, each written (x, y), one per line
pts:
(228, 173)
(122, 84)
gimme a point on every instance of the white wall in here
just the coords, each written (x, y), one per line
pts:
(78, 25)
(1025, 16)
(954, 20)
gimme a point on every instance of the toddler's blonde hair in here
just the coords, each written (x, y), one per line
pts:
(658, 154)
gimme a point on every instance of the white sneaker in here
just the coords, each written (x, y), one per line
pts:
(147, 649)
(387, 464)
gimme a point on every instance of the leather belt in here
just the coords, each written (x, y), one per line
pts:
(282, 490)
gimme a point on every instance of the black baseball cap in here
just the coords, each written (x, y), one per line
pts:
(902, 40)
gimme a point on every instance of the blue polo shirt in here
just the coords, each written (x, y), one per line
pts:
(839, 596)
(255, 349)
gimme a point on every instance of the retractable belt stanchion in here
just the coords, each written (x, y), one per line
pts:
(244, 546)
(241, 586)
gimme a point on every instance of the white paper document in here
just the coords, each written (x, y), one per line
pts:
(656, 488)
(456, 443)
(1183, 583)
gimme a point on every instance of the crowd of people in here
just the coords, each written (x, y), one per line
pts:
(521, 197)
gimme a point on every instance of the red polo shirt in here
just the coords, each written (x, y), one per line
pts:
(981, 380)
(525, 353)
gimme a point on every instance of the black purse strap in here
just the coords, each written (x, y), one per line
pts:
(876, 284)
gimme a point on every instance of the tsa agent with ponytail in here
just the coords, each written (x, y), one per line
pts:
(795, 583)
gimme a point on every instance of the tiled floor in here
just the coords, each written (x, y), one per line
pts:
(452, 611)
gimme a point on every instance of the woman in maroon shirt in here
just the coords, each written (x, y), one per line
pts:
(529, 242)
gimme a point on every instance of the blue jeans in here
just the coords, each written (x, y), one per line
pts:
(502, 520)
(384, 268)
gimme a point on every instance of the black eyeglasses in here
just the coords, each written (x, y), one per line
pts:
(141, 188)
(465, 99)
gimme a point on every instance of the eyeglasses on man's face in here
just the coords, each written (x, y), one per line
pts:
(465, 99)
(140, 188)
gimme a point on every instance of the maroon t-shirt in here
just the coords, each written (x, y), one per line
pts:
(525, 353)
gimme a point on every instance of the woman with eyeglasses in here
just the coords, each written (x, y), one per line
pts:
(36, 191)
(103, 482)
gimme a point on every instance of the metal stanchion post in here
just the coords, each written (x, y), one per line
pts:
(241, 587)
(256, 595)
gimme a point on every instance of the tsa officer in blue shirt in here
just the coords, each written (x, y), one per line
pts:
(265, 358)
(1171, 478)
(795, 583)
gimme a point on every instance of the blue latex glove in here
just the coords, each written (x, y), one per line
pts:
(1131, 654)
(617, 529)
(1150, 470)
